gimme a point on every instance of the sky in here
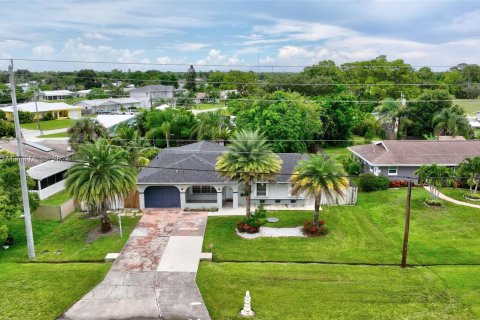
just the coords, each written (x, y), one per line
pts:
(258, 35)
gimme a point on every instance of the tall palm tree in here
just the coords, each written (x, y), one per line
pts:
(101, 176)
(85, 130)
(450, 123)
(470, 169)
(316, 177)
(248, 160)
(391, 112)
(138, 148)
(435, 176)
(211, 126)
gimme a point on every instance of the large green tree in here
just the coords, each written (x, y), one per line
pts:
(87, 78)
(85, 130)
(248, 160)
(191, 79)
(318, 177)
(470, 171)
(290, 121)
(391, 112)
(447, 122)
(175, 124)
(212, 126)
(101, 176)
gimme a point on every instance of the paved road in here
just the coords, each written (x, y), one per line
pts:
(154, 276)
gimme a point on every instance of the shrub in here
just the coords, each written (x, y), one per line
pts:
(310, 228)
(474, 196)
(25, 116)
(398, 183)
(434, 202)
(6, 129)
(354, 168)
(49, 116)
(369, 182)
(3, 115)
(253, 224)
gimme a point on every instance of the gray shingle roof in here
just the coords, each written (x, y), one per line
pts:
(198, 163)
(405, 152)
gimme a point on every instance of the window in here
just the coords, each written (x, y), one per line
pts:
(392, 171)
(203, 190)
(47, 182)
(261, 189)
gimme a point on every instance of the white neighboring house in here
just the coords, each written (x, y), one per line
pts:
(148, 94)
(224, 93)
(112, 121)
(58, 109)
(112, 105)
(56, 94)
(83, 93)
(185, 177)
(49, 177)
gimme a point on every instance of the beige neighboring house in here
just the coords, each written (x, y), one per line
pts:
(56, 95)
(40, 109)
(112, 105)
(399, 159)
(48, 175)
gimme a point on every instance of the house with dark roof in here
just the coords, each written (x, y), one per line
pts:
(399, 159)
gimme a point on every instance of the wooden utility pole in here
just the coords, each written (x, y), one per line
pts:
(407, 225)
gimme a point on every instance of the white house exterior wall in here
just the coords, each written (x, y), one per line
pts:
(50, 190)
(74, 114)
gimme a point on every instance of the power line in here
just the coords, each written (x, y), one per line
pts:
(344, 65)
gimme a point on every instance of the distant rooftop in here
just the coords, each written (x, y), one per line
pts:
(153, 88)
(42, 107)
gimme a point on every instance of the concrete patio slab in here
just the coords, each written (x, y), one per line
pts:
(182, 254)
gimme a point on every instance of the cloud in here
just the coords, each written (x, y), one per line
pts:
(164, 60)
(189, 46)
(43, 51)
(215, 57)
(95, 36)
(289, 52)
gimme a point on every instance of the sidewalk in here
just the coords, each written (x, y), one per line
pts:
(154, 276)
(447, 198)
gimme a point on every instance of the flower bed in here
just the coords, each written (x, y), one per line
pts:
(472, 196)
(310, 229)
(398, 183)
(434, 203)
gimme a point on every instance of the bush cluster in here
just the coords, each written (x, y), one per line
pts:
(48, 116)
(370, 182)
(474, 196)
(253, 223)
(434, 202)
(398, 183)
(310, 228)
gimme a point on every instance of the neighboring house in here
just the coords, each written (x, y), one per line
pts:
(185, 177)
(202, 97)
(40, 109)
(83, 93)
(148, 94)
(56, 95)
(112, 121)
(112, 105)
(225, 93)
(49, 175)
(399, 159)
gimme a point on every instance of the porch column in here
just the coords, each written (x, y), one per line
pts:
(219, 198)
(141, 199)
(183, 199)
(235, 199)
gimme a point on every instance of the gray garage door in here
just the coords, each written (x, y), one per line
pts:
(162, 197)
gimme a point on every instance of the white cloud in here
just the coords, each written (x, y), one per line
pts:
(189, 46)
(289, 52)
(164, 60)
(43, 51)
(215, 57)
(95, 36)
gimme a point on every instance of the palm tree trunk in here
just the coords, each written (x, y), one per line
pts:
(105, 220)
(248, 198)
(476, 186)
(168, 141)
(316, 214)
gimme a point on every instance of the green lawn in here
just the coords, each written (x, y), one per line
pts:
(312, 291)
(205, 106)
(470, 105)
(457, 193)
(370, 232)
(45, 290)
(57, 199)
(55, 135)
(49, 125)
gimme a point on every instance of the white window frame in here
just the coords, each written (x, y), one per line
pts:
(202, 191)
(266, 190)
(391, 168)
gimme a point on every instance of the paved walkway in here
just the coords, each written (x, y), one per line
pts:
(154, 276)
(447, 198)
(267, 232)
(33, 135)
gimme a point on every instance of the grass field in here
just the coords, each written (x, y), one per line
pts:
(45, 290)
(353, 272)
(56, 200)
(49, 125)
(470, 105)
(457, 194)
(55, 135)
(303, 291)
(370, 232)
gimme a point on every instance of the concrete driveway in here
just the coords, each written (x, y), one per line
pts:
(154, 276)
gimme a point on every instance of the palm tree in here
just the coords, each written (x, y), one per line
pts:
(101, 176)
(211, 126)
(391, 111)
(85, 130)
(470, 169)
(248, 160)
(138, 148)
(318, 176)
(450, 123)
(163, 129)
(435, 176)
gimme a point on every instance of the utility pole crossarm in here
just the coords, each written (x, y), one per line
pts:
(21, 165)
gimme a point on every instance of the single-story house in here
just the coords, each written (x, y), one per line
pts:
(399, 159)
(185, 177)
(112, 121)
(83, 93)
(40, 110)
(49, 175)
(112, 105)
(56, 94)
(148, 94)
